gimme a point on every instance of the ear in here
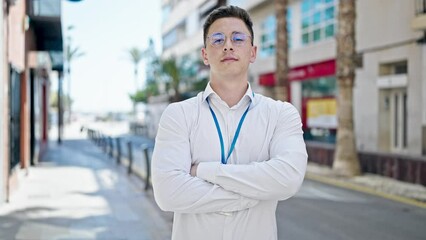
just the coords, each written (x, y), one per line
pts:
(204, 56)
(253, 53)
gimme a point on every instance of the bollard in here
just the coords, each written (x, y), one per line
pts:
(97, 138)
(129, 150)
(145, 149)
(111, 147)
(103, 145)
(118, 150)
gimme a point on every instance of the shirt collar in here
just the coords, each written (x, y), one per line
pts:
(209, 91)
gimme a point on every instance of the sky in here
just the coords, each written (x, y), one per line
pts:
(104, 30)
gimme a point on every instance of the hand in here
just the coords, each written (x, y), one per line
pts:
(194, 170)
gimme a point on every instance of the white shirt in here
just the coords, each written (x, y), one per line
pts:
(236, 200)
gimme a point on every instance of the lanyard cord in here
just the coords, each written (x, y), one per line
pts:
(219, 132)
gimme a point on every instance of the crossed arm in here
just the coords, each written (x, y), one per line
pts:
(224, 188)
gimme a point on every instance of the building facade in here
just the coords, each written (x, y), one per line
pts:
(390, 84)
(31, 50)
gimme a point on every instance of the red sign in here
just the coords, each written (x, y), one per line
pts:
(316, 70)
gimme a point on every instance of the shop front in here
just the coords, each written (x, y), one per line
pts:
(313, 91)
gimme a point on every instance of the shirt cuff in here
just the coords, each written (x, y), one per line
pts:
(207, 170)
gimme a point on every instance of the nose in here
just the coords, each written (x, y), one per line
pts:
(228, 45)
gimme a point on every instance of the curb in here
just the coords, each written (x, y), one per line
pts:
(364, 189)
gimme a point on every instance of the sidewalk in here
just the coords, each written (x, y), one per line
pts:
(76, 192)
(413, 194)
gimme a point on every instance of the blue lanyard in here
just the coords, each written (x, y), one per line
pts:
(219, 132)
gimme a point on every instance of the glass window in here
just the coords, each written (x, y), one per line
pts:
(267, 45)
(317, 35)
(166, 12)
(305, 38)
(268, 35)
(329, 14)
(329, 31)
(169, 39)
(320, 87)
(318, 20)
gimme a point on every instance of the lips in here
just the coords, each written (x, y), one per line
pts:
(229, 59)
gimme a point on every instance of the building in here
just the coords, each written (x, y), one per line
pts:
(32, 51)
(390, 87)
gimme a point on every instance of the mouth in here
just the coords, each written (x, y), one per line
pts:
(229, 59)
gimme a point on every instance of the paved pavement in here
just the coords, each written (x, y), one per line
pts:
(76, 192)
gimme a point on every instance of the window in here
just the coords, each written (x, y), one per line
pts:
(318, 20)
(268, 34)
(393, 68)
(169, 39)
(166, 13)
(267, 43)
(319, 87)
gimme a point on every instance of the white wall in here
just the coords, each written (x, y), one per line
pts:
(385, 36)
(384, 22)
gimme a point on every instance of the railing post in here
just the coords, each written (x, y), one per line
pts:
(145, 149)
(104, 143)
(118, 150)
(129, 150)
(111, 147)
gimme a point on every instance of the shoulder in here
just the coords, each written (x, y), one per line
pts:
(182, 106)
(276, 106)
(182, 111)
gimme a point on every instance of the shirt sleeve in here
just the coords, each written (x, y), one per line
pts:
(278, 178)
(174, 188)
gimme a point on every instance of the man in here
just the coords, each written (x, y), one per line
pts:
(223, 159)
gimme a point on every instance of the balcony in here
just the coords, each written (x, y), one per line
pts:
(45, 21)
(419, 21)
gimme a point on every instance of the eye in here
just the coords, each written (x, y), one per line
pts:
(217, 41)
(239, 37)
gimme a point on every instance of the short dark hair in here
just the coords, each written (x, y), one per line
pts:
(228, 11)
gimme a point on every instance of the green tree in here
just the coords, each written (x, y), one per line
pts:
(346, 160)
(143, 95)
(53, 100)
(171, 69)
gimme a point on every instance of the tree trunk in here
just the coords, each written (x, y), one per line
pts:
(281, 47)
(346, 161)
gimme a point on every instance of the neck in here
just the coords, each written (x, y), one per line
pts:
(230, 91)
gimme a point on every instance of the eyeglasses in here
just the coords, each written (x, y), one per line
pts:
(237, 38)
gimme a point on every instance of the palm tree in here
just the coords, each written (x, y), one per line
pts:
(136, 56)
(281, 73)
(346, 161)
(171, 68)
(71, 53)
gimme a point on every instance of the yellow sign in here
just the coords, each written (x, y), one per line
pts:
(321, 113)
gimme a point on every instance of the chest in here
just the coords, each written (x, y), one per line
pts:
(251, 145)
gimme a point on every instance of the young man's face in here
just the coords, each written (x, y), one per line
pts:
(228, 48)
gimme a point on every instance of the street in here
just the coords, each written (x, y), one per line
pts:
(319, 211)
(92, 197)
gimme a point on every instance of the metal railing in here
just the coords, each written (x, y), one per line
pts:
(113, 148)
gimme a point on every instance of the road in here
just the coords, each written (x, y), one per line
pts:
(321, 211)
